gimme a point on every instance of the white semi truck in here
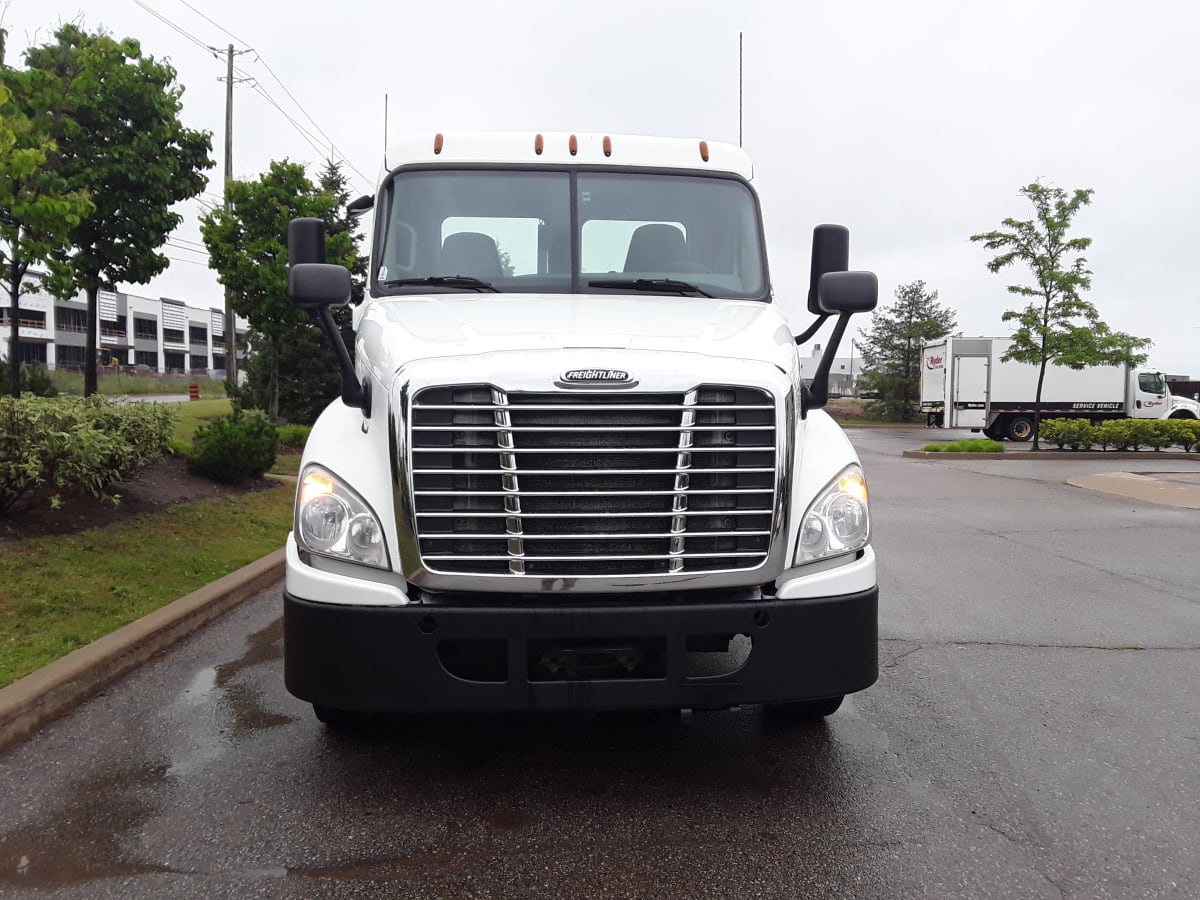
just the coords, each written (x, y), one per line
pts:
(574, 464)
(966, 384)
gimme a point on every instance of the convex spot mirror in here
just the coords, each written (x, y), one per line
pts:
(316, 285)
(847, 292)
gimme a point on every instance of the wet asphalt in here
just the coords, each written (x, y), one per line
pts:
(1035, 732)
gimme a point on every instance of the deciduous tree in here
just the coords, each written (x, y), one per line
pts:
(122, 141)
(37, 207)
(293, 372)
(1057, 326)
(891, 349)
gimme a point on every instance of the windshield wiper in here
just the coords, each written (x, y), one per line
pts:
(452, 281)
(659, 285)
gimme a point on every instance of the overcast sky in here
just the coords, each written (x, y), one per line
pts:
(913, 123)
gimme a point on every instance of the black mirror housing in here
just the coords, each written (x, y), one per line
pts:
(830, 253)
(318, 285)
(306, 241)
(847, 292)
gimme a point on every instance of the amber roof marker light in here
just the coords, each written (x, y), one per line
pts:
(539, 144)
(607, 145)
(704, 150)
(573, 145)
(438, 140)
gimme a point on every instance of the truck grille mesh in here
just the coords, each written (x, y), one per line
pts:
(597, 483)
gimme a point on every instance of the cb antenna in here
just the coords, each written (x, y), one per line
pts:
(739, 89)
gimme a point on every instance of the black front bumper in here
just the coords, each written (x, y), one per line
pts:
(423, 658)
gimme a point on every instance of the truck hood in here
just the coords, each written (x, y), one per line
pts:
(397, 331)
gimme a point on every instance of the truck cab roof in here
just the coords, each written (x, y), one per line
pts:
(565, 148)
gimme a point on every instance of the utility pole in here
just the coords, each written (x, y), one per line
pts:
(231, 364)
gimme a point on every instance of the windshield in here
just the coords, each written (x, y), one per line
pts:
(567, 231)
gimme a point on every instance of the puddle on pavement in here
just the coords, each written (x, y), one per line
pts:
(216, 708)
(86, 835)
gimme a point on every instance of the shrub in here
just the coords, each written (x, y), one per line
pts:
(235, 447)
(1156, 433)
(1117, 434)
(54, 447)
(1077, 434)
(293, 437)
(978, 445)
(35, 380)
(1184, 432)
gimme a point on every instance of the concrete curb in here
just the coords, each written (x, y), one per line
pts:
(28, 704)
(1065, 455)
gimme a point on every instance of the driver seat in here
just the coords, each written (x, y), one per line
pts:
(652, 247)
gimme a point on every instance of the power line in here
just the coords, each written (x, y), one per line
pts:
(187, 34)
(214, 24)
(186, 249)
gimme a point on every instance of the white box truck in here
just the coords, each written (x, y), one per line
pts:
(966, 384)
(574, 464)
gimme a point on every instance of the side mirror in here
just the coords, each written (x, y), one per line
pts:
(318, 285)
(847, 292)
(830, 253)
(357, 207)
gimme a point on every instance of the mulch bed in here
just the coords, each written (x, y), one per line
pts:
(160, 486)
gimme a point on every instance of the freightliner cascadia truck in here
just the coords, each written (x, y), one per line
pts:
(573, 465)
(965, 383)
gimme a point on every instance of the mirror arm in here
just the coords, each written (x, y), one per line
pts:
(818, 392)
(354, 393)
(812, 329)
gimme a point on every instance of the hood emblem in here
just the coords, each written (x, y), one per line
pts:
(596, 378)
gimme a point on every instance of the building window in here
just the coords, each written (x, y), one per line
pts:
(218, 360)
(173, 335)
(33, 353)
(145, 329)
(198, 363)
(26, 318)
(114, 329)
(198, 334)
(174, 362)
(67, 357)
(71, 320)
(146, 358)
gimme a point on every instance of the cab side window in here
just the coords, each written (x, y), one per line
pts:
(1151, 383)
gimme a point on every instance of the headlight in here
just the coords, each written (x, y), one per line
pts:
(334, 521)
(838, 521)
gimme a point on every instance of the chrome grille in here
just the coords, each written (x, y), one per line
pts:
(592, 483)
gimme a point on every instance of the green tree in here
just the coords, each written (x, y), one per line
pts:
(37, 208)
(891, 349)
(1057, 326)
(247, 247)
(121, 141)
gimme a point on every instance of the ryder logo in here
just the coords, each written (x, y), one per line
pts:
(934, 362)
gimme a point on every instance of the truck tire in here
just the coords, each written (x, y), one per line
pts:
(1019, 428)
(338, 719)
(803, 710)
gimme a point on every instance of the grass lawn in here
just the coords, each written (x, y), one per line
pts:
(193, 413)
(110, 382)
(59, 593)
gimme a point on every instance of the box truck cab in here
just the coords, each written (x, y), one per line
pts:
(574, 465)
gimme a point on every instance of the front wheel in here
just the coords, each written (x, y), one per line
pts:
(803, 710)
(338, 719)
